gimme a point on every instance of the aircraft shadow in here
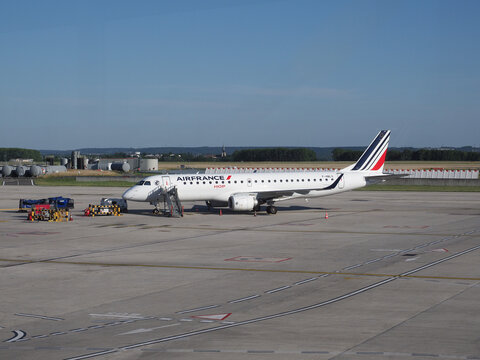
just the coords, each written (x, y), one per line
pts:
(204, 210)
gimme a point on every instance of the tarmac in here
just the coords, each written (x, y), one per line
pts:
(389, 275)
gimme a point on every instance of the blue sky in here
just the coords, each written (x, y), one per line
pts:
(241, 73)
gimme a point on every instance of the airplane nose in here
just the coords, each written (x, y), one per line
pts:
(128, 195)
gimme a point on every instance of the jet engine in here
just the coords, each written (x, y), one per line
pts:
(242, 202)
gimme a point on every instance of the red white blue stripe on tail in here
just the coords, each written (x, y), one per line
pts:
(374, 156)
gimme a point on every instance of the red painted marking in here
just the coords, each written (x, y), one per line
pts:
(381, 161)
(440, 250)
(229, 177)
(218, 317)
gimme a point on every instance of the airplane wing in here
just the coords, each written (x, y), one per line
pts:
(266, 196)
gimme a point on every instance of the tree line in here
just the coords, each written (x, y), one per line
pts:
(7, 154)
(411, 155)
(274, 154)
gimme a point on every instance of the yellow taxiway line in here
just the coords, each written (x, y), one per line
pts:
(240, 269)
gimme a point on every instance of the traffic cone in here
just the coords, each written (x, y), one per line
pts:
(220, 213)
(326, 215)
(71, 217)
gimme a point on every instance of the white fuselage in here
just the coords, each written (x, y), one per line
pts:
(219, 187)
(243, 191)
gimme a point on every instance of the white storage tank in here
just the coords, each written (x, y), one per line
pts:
(148, 164)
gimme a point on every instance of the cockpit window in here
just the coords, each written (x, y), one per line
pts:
(140, 182)
(147, 183)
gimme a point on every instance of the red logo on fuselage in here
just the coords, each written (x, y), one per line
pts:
(229, 177)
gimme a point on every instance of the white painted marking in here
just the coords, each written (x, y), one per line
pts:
(39, 336)
(78, 330)
(277, 315)
(243, 299)
(387, 250)
(138, 331)
(186, 320)
(352, 267)
(95, 326)
(217, 317)
(40, 317)
(127, 316)
(206, 321)
(412, 259)
(165, 319)
(58, 333)
(18, 335)
(440, 250)
(278, 289)
(81, 357)
(371, 261)
(305, 281)
(198, 309)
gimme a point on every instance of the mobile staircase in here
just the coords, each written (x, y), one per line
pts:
(172, 205)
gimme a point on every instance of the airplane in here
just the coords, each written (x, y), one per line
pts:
(247, 191)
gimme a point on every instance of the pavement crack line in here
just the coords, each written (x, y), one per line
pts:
(277, 315)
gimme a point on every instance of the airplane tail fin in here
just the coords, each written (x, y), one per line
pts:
(373, 158)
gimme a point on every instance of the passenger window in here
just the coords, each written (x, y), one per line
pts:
(184, 183)
(191, 183)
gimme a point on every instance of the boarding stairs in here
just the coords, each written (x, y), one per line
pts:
(172, 205)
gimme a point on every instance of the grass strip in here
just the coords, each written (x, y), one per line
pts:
(69, 181)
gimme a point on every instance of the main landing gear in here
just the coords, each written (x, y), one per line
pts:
(271, 209)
